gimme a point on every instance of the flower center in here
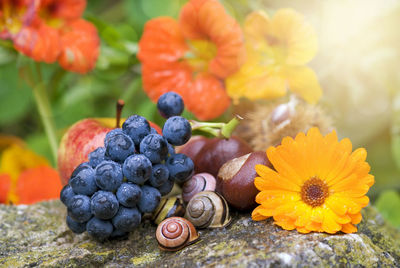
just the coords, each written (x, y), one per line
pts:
(314, 192)
(11, 17)
(200, 54)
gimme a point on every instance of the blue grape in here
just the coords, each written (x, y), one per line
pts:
(104, 205)
(170, 104)
(96, 156)
(110, 134)
(66, 194)
(83, 181)
(137, 169)
(180, 167)
(126, 219)
(136, 127)
(108, 175)
(149, 200)
(177, 130)
(166, 187)
(79, 168)
(99, 229)
(159, 175)
(79, 208)
(76, 227)
(154, 147)
(128, 194)
(119, 147)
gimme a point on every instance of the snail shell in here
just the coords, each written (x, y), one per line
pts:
(208, 210)
(168, 207)
(198, 183)
(175, 233)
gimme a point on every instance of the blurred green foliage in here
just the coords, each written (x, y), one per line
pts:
(357, 64)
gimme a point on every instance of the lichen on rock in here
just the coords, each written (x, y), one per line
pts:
(37, 235)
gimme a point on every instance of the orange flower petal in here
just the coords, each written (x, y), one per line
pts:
(259, 214)
(38, 184)
(207, 19)
(38, 41)
(79, 46)
(349, 228)
(208, 98)
(162, 41)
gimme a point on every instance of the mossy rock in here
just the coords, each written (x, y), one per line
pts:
(38, 236)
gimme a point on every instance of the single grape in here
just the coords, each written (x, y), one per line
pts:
(154, 147)
(119, 147)
(149, 200)
(137, 169)
(99, 229)
(170, 104)
(111, 133)
(159, 175)
(108, 175)
(83, 181)
(180, 167)
(166, 187)
(76, 227)
(177, 130)
(128, 194)
(126, 219)
(136, 127)
(79, 208)
(104, 205)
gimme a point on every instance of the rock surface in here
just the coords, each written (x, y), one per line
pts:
(38, 236)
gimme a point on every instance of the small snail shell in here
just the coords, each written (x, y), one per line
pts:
(168, 207)
(198, 183)
(175, 233)
(208, 210)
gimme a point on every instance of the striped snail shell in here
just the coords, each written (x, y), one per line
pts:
(168, 207)
(175, 233)
(208, 210)
(198, 183)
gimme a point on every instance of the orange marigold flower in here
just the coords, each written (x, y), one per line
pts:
(192, 56)
(318, 184)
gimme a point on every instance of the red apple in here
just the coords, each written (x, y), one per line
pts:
(80, 139)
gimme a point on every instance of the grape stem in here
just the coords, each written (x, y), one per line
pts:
(220, 130)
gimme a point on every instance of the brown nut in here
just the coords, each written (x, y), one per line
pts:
(235, 180)
(218, 151)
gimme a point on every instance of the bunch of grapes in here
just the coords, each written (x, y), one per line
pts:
(108, 195)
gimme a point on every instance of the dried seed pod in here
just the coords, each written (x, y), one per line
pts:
(168, 207)
(198, 183)
(175, 233)
(208, 210)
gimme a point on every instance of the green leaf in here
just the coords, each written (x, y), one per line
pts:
(15, 96)
(388, 204)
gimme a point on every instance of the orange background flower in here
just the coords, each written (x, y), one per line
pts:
(192, 56)
(55, 32)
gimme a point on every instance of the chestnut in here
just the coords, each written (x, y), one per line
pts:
(235, 180)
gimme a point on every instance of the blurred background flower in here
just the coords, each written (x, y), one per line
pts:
(25, 177)
(356, 65)
(192, 56)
